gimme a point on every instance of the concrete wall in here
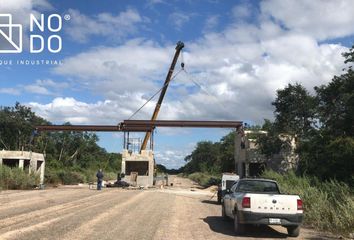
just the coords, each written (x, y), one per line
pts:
(37, 161)
(145, 155)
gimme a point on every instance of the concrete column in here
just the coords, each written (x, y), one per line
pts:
(21, 163)
(247, 169)
(33, 165)
(123, 166)
(151, 171)
(0, 161)
(42, 172)
(240, 155)
(237, 153)
(242, 161)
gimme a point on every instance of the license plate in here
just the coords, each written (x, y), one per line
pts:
(274, 221)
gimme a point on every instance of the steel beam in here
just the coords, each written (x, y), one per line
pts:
(93, 128)
(173, 123)
(141, 126)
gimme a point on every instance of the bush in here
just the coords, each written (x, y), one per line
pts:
(329, 206)
(51, 176)
(71, 177)
(204, 179)
(109, 176)
(75, 176)
(90, 175)
(15, 178)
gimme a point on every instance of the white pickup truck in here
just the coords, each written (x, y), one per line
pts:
(258, 201)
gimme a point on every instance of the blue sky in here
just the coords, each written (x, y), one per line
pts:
(115, 55)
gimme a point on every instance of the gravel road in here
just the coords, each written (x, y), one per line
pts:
(77, 212)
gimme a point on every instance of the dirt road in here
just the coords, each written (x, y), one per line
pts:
(178, 212)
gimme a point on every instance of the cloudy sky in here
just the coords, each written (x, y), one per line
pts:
(115, 55)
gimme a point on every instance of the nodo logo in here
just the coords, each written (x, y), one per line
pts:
(11, 34)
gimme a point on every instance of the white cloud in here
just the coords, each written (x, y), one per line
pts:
(82, 27)
(239, 70)
(320, 19)
(179, 19)
(172, 159)
(24, 6)
(211, 22)
(238, 81)
(69, 109)
(132, 67)
(52, 84)
(37, 89)
(10, 91)
(242, 11)
(21, 10)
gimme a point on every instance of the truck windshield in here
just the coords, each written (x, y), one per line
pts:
(257, 187)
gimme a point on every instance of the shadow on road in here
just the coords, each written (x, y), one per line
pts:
(210, 202)
(219, 225)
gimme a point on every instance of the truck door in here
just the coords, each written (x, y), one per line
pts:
(230, 199)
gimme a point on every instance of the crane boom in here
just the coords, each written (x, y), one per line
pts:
(179, 47)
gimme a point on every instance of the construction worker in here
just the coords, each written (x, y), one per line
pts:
(99, 176)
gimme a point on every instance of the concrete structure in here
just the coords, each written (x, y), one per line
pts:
(240, 152)
(250, 161)
(287, 158)
(140, 164)
(27, 161)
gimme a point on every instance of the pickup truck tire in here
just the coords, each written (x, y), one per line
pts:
(219, 197)
(238, 227)
(293, 231)
(223, 213)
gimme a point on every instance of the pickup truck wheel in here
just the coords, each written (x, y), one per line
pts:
(219, 198)
(293, 231)
(223, 213)
(238, 227)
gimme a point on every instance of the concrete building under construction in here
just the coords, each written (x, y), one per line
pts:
(30, 162)
(138, 167)
(251, 162)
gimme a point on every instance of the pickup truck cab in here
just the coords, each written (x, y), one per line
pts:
(258, 201)
(227, 180)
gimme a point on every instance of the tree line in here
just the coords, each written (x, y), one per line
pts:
(321, 122)
(70, 156)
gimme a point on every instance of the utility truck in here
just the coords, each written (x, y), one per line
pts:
(227, 180)
(259, 202)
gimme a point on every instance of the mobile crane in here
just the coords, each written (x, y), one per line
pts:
(142, 164)
(179, 47)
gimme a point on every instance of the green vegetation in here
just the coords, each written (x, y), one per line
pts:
(71, 157)
(212, 158)
(205, 179)
(329, 205)
(16, 179)
(161, 169)
(322, 125)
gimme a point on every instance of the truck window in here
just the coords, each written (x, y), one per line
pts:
(233, 188)
(229, 183)
(257, 187)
